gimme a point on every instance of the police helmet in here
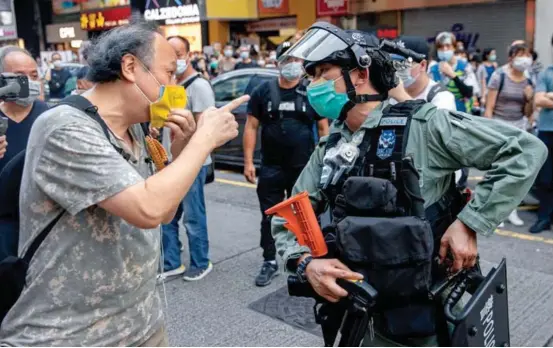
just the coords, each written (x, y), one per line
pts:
(350, 49)
(283, 48)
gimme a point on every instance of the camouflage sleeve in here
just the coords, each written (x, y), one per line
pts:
(78, 167)
(285, 241)
(511, 158)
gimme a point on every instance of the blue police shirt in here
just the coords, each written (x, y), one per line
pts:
(545, 84)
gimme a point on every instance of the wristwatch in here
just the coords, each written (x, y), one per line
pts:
(300, 271)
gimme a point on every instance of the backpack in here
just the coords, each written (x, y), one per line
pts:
(434, 90)
(13, 270)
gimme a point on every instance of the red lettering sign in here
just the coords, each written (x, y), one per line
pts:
(387, 33)
(332, 7)
(105, 19)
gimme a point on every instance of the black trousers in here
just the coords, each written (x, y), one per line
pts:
(273, 185)
(545, 179)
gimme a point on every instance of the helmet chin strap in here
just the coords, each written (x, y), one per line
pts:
(354, 98)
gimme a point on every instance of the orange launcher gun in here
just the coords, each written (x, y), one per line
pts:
(301, 220)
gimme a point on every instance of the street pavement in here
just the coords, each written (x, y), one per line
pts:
(214, 311)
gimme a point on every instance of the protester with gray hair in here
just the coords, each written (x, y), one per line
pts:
(92, 281)
(21, 114)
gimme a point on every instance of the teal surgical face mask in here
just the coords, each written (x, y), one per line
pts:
(325, 100)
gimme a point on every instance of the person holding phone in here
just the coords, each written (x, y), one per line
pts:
(16, 118)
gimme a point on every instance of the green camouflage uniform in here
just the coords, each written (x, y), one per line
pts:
(440, 144)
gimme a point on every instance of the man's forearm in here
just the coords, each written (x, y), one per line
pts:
(543, 101)
(249, 141)
(162, 192)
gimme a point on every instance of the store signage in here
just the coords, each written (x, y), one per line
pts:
(67, 33)
(332, 7)
(387, 33)
(275, 24)
(271, 7)
(172, 13)
(105, 19)
(8, 33)
(8, 29)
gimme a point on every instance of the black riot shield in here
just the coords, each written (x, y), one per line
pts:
(484, 320)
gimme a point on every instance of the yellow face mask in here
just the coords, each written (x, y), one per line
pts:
(171, 97)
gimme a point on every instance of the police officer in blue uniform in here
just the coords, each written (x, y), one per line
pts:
(281, 109)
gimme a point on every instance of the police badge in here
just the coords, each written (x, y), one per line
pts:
(386, 143)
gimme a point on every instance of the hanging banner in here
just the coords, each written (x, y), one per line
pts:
(332, 8)
(273, 7)
(105, 19)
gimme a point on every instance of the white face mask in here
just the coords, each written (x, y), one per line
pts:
(182, 64)
(406, 78)
(57, 64)
(34, 92)
(522, 63)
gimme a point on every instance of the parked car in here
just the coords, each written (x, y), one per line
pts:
(227, 87)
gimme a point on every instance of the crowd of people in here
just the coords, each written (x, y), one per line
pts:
(89, 175)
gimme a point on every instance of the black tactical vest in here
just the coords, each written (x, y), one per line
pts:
(380, 227)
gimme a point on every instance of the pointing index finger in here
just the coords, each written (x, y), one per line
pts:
(235, 103)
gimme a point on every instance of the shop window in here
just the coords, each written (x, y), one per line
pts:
(232, 88)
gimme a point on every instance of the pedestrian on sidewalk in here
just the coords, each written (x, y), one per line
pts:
(92, 281)
(192, 210)
(510, 98)
(544, 100)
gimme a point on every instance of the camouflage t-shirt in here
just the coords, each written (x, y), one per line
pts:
(92, 281)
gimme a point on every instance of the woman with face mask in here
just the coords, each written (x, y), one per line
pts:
(485, 71)
(510, 95)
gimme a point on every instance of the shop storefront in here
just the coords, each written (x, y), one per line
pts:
(177, 19)
(237, 21)
(478, 25)
(272, 32)
(65, 36)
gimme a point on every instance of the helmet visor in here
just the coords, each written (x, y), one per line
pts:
(316, 45)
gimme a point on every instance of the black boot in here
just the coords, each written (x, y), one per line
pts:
(540, 226)
(269, 270)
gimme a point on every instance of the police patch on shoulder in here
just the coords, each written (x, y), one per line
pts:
(386, 143)
(394, 121)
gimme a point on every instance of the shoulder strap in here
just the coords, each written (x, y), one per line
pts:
(40, 238)
(434, 90)
(190, 81)
(83, 104)
(332, 140)
(501, 81)
(274, 93)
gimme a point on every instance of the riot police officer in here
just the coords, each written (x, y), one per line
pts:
(359, 170)
(280, 107)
